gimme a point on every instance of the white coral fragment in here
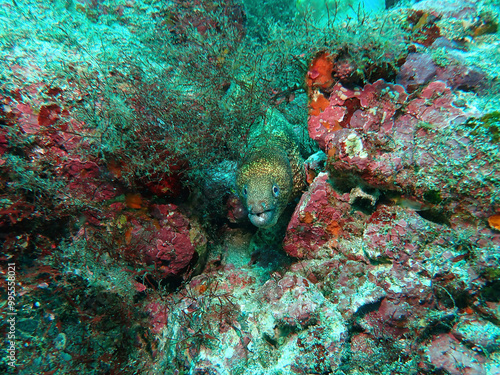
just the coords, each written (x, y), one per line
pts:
(354, 146)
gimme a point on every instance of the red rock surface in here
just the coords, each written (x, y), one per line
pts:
(322, 217)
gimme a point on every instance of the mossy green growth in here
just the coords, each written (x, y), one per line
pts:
(433, 196)
(491, 273)
(488, 125)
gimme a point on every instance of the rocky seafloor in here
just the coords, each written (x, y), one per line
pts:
(117, 260)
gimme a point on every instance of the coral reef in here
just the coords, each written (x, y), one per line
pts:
(415, 145)
(126, 246)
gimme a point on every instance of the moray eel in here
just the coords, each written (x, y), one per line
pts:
(272, 173)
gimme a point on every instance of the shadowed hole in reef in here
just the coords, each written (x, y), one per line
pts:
(462, 299)
(270, 258)
(281, 332)
(453, 295)
(491, 291)
(434, 216)
(364, 205)
(369, 307)
(441, 325)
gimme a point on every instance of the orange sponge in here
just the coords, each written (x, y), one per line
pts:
(320, 72)
(318, 104)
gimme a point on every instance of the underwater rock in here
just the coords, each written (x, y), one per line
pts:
(159, 238)
(418, 69)
(352, 287)
(173, 243)
(294, 303)
(236, 210)
(303, 322)
(380, 137)
(447, 353)
(166, 184)
(397, 277)
(390, 261)
(393, 318)
(87, 181)
(314, 165)
(319, 221)
(369, 109)
(406, 267)
(363, 349)
(478, 333)
(158, 315)
(461, 77)
(393, 233)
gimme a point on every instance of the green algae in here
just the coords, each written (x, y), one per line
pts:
(488, 125)
(433, 196)
(492, 273)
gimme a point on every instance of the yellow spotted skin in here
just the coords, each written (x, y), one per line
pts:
(272, 173)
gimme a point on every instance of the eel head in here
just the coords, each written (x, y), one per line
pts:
(265, 185)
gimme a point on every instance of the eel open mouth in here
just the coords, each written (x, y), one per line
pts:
(262, 219)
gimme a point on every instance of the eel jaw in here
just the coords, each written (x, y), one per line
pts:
(262, 219)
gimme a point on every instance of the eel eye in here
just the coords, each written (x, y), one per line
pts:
(276, 190)
(245, 191)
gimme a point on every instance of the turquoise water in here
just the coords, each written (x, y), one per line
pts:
(364, 240)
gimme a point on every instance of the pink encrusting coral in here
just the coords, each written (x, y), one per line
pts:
(390, 265)
(321, 219)
(173, 242)
(403, 143)
(395, 275)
